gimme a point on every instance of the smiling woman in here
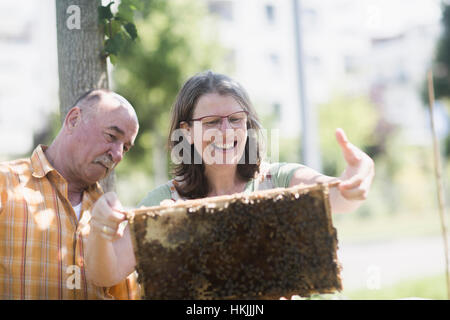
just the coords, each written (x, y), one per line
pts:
(217, 128)
(221, 136)
(214, 138)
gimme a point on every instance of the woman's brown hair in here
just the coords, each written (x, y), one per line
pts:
(190, 177)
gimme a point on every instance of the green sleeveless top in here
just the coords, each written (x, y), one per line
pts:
(270, 176)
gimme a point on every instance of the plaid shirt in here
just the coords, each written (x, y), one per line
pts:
(41, 241)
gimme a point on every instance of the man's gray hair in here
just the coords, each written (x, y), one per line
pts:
(88, 101)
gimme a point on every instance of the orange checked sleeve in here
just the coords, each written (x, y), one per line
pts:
(2, 197)
(128, 289)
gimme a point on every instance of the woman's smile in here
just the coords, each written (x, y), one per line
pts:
(224, 147)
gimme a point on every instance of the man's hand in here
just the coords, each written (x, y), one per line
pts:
(358, 175)
(107, 215)
(109, 250)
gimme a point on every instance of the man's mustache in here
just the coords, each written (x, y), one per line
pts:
(106, 161)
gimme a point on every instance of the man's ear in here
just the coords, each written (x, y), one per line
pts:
(73, 118)
(187, 133)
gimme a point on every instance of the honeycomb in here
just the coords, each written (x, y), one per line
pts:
(262, 245)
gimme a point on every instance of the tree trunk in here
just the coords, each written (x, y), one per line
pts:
(159, 161)
(80, 64)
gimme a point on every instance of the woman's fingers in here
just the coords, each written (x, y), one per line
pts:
(358, 175)
(354, 194)
(352, 154)
(351, 183)
(166, 202)
(356, 188)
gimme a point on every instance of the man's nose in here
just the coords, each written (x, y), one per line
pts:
(116, 153)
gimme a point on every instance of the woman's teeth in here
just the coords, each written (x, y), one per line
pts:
(223, 146)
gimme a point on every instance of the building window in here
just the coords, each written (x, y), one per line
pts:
(310, 17)
(274, 60)
(274, 63)
(276, 109)
(270, 13)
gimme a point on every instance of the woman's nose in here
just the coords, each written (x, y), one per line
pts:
(225, 124)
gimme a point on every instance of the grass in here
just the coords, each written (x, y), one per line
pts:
(392, 227)
(386, 227)
(430, 287)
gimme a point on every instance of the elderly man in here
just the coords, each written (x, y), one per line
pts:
(46, 202)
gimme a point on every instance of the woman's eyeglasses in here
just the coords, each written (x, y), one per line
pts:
(235, 119)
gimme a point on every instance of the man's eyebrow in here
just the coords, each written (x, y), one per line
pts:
(117, 129)
(121, 132)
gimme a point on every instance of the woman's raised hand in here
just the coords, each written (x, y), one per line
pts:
(358, 175)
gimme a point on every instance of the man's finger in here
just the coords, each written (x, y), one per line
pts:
(103, 228)
(106, 212)
(113, 201)
(116, 209)
(106, 231)
(105, 222)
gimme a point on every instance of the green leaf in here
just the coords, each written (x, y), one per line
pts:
(115, 27)
(113, 59)
(109, 47)
(104, 13)
(131, 30)
(115, 44)
(133, 4)
(125, 13)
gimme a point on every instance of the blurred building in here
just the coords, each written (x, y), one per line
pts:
(398, 67)
(379, 49)
(259, 35)
(28, 72)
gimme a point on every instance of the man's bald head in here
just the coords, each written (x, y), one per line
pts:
(98, 130)
(92, 101)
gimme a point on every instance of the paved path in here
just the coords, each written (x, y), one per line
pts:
(379, 264)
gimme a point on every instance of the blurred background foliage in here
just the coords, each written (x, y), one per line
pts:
(150, 73)
(358, 117)
(441, 70)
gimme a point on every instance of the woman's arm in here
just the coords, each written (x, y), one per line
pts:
(109, 251)
(355, 181)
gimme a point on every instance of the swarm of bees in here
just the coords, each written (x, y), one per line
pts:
(263, 245)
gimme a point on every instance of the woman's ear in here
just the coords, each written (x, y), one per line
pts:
(73, 118)
(187, 133)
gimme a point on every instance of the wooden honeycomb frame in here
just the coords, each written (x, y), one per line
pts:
(263, 245)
